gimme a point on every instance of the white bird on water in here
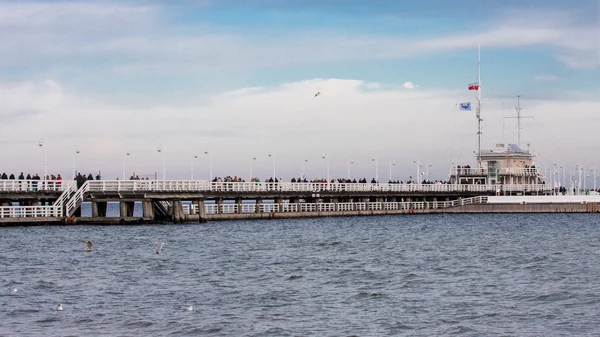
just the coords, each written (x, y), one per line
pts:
(13, 290)
(188, 308)
(159, 246)
(59, 308)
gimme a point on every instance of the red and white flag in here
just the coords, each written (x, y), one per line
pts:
(474, 86)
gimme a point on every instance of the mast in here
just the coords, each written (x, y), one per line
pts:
(478, 110)
(518, 108)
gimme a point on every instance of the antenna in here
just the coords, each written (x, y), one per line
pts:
(519, 117)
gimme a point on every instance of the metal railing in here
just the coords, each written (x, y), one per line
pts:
(206, 186)
(212, 209)
(34, 185)
(484, 171)
(30, 211)
(77, 198)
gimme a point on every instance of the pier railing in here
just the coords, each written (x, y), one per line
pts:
(29, 211)
(329, 206)
(34, 185)
(517, 171)
(206, 186)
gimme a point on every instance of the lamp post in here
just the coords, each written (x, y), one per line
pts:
(41, 144)
(376, 161)
(272, 155)
(126, 155)
(209, 164)
(349, 172)
(418, 162)
(326, 158)
(164, 164)
(392, 163)
(192, 166)
(253, 159)
(302, 169)
(427, 167)
(76, 152)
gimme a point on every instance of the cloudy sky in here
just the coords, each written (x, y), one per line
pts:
(238, 78)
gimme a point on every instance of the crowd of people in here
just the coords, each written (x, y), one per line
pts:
(29, 176)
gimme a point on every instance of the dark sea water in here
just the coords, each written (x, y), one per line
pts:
(473, 275)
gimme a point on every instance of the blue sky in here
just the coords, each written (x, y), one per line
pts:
(80, 61)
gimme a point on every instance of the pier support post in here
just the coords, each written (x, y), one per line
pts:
(94, 209)
(279, 202)
(219, 202)
(201, 211)
(238, 202)
(178, 216)
(123, 209)
(147, 209)
(259, 203)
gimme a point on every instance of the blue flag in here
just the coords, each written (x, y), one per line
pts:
(465, 106)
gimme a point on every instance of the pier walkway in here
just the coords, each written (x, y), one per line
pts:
(163, 199)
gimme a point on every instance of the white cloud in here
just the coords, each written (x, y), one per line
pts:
(409, 85)
(352, 120)
(143, 38)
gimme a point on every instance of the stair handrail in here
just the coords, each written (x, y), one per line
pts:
(77, 199)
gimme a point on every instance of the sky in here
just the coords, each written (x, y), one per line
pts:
(95, 80)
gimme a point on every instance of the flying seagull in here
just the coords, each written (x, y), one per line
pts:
(159, 246)
(317, 94)
(89, 245)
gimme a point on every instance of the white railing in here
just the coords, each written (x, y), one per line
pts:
(33, 185)
(77, 198)
(29, 211)
(484, 171)
(206, 186)
(330, 206)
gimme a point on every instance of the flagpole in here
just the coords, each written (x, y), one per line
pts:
(478, 95)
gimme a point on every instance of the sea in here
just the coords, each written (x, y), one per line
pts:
(410, 275)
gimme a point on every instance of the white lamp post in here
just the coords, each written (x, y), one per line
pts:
(418, 162)
(326, 158)
(209, 164)
(76, 152)
(392, 163)
(126, 155)
(376, 161)
(349, 173)
(164, 164)
(192, 166)
(302, 169)
(253, 159)
(41, 144)
(274, 172)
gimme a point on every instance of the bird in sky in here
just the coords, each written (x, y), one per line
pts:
(317, 94)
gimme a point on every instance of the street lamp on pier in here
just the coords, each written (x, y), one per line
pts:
(302, 175)
(76, 152)
(41, 144)
(251, 177)
(392, 163)
(272, 155)
(326, 158)
(192, 166)
(125, 156)
(376, 161)
(349, 172)
(164, 163)
(209, 164)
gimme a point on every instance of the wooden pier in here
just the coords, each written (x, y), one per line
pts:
(53, 202)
